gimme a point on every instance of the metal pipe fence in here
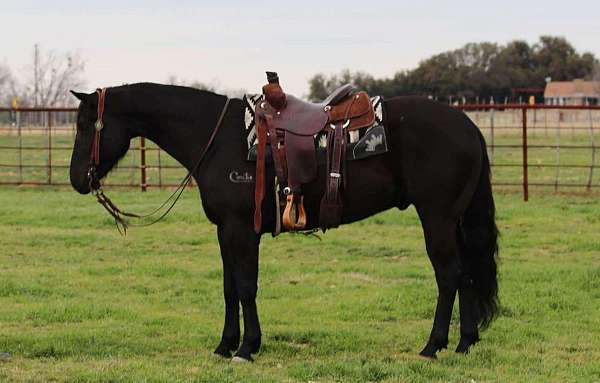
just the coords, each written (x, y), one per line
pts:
(545, 146)
(36, 144)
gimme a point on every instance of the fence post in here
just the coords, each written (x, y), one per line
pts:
(143, 163)
(20, 146)
(525, 164)
(49, 126)
(160, 185)
(492, 135)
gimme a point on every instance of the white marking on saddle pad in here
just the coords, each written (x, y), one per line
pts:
(372, 143)
(378, 107)
(248, 118)
(323, 141)
(250, 102)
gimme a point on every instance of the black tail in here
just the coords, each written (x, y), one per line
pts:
(480, 244)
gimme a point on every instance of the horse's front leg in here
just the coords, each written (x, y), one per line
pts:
(242, 244)
(230, 339)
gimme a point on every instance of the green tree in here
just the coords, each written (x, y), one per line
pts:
(475, 70)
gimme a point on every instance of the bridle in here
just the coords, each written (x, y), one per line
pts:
(96, 188)
(94, 182)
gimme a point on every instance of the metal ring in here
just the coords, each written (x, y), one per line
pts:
(287, 190)
(262, 104)
(327, 108)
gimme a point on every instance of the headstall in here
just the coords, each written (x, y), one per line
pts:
(94, 182)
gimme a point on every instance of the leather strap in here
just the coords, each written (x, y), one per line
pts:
(335, 174)
(259, 186)
(331, 203)
(99, 125)
(275, 150)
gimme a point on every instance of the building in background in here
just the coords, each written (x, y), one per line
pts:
(576, 92)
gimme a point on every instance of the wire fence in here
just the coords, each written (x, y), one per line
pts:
(541, 146)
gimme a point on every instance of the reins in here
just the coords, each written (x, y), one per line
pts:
(95, 186)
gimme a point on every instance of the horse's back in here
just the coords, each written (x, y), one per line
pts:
(437, 151)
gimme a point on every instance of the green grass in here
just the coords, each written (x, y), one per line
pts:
(79, 303)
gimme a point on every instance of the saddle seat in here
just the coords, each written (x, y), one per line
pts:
(307, 118)
(289, 126)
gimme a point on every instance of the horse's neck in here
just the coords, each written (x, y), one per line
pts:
(183, 129)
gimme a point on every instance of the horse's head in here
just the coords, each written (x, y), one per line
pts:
(113, 141)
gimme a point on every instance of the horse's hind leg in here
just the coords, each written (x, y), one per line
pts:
(469, 315)
(440, 239)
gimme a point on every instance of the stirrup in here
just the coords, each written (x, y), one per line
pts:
(294, 215)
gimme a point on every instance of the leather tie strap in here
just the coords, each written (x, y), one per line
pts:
(259, 186)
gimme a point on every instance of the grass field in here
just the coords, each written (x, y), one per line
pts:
(79, 303)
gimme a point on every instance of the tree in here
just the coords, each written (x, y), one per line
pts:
(556, 58)
(6, 85)
(213, 86)
(481, 70)
(321, 86)
(54, 74)
(596, 76)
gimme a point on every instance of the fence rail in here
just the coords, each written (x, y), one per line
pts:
(528, 145)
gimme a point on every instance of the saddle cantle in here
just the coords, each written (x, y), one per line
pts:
(289, 126)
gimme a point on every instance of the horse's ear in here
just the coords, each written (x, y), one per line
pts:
(80, 96)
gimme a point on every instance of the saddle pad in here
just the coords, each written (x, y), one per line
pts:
(362, 143)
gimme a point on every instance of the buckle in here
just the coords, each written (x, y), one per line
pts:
(335, 175)
(99, 125)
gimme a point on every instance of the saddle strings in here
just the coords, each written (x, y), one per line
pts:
(119, 215)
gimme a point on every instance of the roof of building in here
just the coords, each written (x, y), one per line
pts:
(572, 89)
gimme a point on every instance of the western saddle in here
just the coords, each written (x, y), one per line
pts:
(289, 126)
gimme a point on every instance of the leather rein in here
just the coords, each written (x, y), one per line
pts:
(95, 186)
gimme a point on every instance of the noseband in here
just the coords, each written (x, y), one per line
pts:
(96, 187)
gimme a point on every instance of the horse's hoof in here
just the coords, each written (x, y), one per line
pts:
(429, 352)
(218, 355)
(239, 359)
(5, 357)
(465, 343)
(428, 357)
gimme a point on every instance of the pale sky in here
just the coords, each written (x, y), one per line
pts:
(230, 44)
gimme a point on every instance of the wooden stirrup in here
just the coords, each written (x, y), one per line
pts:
(294, 215)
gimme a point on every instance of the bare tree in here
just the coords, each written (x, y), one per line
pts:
(6, 85)
(213, 86)
(54, 74)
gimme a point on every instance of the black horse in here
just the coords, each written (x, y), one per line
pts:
(437, 162)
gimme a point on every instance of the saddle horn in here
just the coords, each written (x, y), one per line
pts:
(274, 95)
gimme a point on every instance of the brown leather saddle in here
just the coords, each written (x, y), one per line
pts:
(289, 126)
